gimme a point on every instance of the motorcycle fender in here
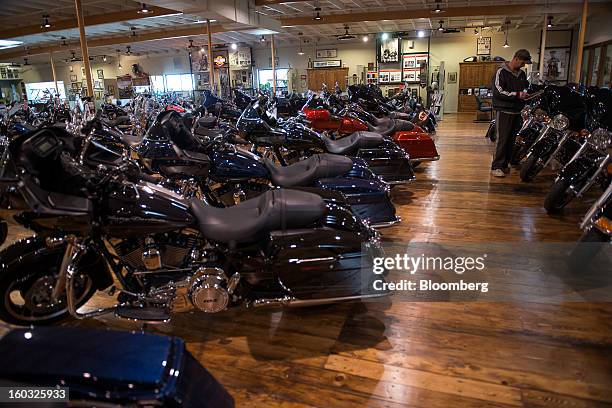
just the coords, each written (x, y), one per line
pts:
(318, 263)
(93, 264)
(544, 147)
(577, 170)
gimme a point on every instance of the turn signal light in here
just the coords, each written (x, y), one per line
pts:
(604, 224)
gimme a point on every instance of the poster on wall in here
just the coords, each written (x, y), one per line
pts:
(483, 46)
(389, 51)
(395, 76)
(329, 53)
(411, 61)
(411, 75)
(327, 64)
(383, 77)
(556, 62)
(241, 58)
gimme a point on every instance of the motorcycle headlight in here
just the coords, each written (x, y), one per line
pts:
(601, 138)
(540, 115)
(560, 122)
(525, 113)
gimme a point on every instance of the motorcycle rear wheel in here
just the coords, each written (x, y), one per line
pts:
(530, 168)
(558, 197)
(29, 274)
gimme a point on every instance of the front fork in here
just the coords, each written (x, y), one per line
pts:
(75, 249)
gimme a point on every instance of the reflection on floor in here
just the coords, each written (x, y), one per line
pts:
(396, 354)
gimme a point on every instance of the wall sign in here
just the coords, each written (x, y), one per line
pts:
(483, 46)
(220, 61)
(329, 53)
(327, 64)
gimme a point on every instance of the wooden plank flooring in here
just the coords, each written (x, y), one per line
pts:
(397, 354)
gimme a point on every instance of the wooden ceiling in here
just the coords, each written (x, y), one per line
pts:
(112, 24)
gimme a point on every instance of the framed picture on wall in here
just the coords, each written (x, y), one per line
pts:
(111, 90)
(75, 85)
(100, 73)
(328, 53)
(83, 71)
(483, 46)
(73, 78)
(84, 83)
(556, 63)
(389, 51)
(452, 77)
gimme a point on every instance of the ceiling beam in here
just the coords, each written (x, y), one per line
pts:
(260, 3)
(519, 10)
(125, 39)
(67, 24)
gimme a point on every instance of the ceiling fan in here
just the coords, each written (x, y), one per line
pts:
(346, 35)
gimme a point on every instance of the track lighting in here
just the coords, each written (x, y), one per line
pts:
(45, 23)
(143, 9)
(475, 31)
(441, 28)
(104, 58)
(317, 16)
(234, 46)
(550, 23)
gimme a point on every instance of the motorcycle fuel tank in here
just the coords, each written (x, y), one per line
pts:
(236, 165)
(136, 210)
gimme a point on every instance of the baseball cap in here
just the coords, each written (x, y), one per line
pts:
(523, 55)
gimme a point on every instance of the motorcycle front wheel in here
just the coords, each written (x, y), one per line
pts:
(531, 168)
(30, 271)
(558, 197)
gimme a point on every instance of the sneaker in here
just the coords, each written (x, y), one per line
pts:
(498, 173)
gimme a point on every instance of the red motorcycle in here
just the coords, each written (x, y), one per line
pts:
(409, 136)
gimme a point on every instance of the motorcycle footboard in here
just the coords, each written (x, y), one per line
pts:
(327, 264)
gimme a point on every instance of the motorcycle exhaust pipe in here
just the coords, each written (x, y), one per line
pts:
(293, 302)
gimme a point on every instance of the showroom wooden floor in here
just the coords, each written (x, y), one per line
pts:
(422, 354)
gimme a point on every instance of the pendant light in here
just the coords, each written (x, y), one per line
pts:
(300, 52)
(441, 28)
(262, 39)
(506, 45)
(143, 9)
(119, 59)
(438, 8)
(550, 23)
(45, 23)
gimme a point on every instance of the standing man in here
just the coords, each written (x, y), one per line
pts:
(509, 84)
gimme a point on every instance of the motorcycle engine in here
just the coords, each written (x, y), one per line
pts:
(209, 290)
(169, 250)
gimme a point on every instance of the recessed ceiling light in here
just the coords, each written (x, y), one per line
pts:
(234, 46)
(420, 33)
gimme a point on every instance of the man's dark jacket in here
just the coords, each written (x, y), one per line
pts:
(506, 86)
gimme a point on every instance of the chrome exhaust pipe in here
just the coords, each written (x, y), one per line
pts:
(293, 302)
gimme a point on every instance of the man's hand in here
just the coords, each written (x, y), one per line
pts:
(523, 95)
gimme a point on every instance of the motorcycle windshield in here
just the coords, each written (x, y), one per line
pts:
(251, 122)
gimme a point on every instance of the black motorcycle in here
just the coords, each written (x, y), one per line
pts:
(597, 230)
(559, 138)
(165, 253)
(590, 163)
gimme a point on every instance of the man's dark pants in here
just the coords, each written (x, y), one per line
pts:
(508, 126)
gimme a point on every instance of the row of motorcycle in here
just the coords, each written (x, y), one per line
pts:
(570, 127)
(172, 206)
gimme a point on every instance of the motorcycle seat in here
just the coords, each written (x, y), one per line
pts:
(388, 126)
(253, 219)
(400, 115)
(306, 172)
(351, 144)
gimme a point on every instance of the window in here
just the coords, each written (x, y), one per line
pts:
(265, 78)
(157, 83)
(35, 91)
(171, 83)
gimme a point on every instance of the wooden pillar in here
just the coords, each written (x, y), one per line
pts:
(581, 41)
(53, 71)
(273, 66)
(543, 45)
(211, 65)
(84, 51)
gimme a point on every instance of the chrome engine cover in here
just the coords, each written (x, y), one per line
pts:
(208, 292)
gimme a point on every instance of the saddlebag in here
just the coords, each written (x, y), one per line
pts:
(418, 145)
(392, 165)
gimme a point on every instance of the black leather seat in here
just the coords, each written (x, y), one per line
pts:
(400, 115)
(131, 140)
(306, 172)
(351, 144)
(253, 219)
(388, 126)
